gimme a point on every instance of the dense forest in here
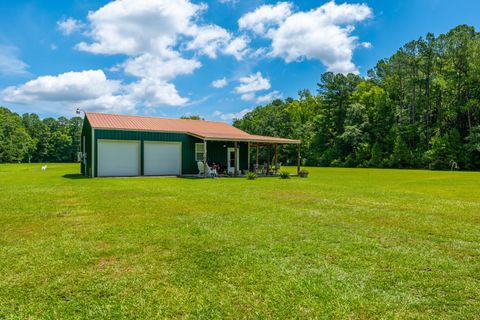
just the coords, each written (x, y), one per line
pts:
(420, 108)
(27, 138)
(417, 109)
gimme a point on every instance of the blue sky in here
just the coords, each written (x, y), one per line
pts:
(216, 58)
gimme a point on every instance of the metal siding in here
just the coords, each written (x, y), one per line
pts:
(87, 133)
(243, 155)
(215, 150)
(189, 166)
(217, 153)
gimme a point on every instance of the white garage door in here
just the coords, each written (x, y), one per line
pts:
(118, 158)
(162, 158)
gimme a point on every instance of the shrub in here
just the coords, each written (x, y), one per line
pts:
(303, 173)
(284, 175)
(251, 175)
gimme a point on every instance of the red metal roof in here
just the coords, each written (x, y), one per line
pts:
(208, 130)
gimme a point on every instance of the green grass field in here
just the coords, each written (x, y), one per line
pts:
(343, 243)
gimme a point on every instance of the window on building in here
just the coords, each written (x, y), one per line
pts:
(199, 151)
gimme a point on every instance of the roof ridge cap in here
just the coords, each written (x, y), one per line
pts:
(155, 117)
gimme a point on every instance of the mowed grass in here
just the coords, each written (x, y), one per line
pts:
(343, 243)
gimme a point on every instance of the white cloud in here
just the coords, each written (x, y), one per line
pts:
(69, 26)
(231, 116)
(10, 64)
(323, 33)
(165, 67)
(154, 93)
(253, 83)
(263, 17)
(91, 90)
(109, 103)
(250, 85)
(208, 40)
(238, 47)
(228, 1)
(248, 96)
(269, 97)
(69, 86)
(153, 33)
(367, 45)
(220, 83)
(135, 26)
(211, 40)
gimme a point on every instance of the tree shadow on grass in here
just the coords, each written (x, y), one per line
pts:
(74, 176)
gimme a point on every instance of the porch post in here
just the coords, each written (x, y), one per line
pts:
(276, 157)
(235, 172)
(298, 159)
(268, 159)
(205, 158)
(256, 162)
(248, 157)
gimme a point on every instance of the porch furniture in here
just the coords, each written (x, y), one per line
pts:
(277, 167)
(201, 170)
(259, 169)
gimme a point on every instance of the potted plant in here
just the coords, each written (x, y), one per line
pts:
(303, 173)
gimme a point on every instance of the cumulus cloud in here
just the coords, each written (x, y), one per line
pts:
(269, 97)
(154, 92)
(253, 83)
(10, 64)
(165, 67)
(91, 90)
(250, 85)
(265, 16)
(231, 116)
(238, 47)
(135, 27)
(69, 25)
(209, 40)
(323, 33)
(220, 83)
(69, 86)
(154, 35)
(228, 1)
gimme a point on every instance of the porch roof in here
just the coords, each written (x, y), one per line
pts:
(203, 129)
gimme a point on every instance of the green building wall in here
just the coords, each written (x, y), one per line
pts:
(216, 150)
(87, 138)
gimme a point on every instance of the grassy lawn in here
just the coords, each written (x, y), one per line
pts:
(343, 243)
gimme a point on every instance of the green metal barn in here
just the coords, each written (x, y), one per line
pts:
(124, 145)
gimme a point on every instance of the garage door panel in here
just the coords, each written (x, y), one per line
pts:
(162, 158)
(118, 158)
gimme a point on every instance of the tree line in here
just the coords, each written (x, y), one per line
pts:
(28, 138)
(418, 108)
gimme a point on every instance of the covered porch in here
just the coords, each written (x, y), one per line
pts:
(236, 157)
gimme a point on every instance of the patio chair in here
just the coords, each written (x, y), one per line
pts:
(259, 169)
(277, 167)
(201, 170)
